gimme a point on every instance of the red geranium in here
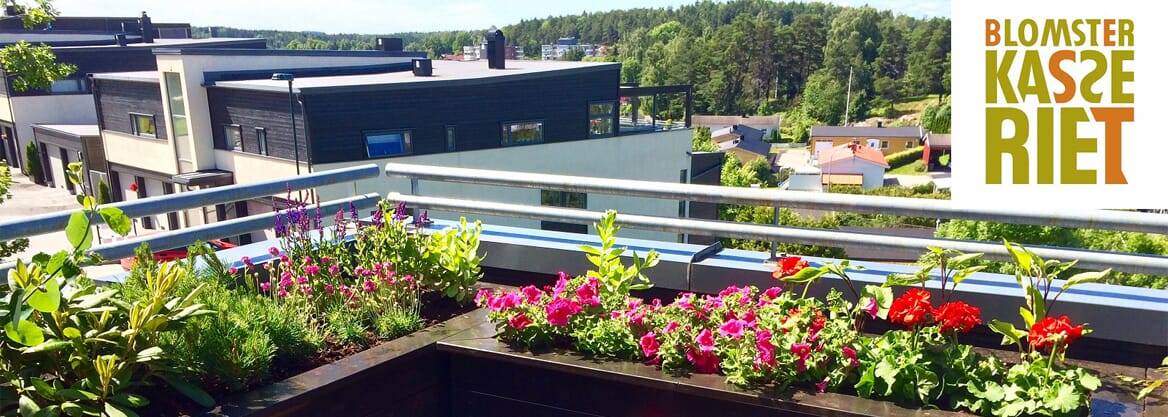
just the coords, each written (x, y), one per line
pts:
(134, 187)
(1052, 331)
(912, 309)
(788, 266)
(957, 316)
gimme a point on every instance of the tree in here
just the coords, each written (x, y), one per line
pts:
(824, 98)
(574, 54)
(33, 67)
(702, 142)
(936, 118)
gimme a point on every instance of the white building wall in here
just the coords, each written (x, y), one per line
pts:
(873, 174)
(58, 109)
(651, 157)
(145, 153)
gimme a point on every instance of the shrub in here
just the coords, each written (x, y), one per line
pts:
(32, 166)
(103, 193)
(904, 157)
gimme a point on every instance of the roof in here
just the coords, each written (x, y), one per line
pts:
(866, 131)
(709, 120)
(71, 130)
(753, 146)
(73, 39)
(736, 131)
(136, 76)
(939, 139)
(446, 73)
(851, 150)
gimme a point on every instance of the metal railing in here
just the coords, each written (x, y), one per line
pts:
(1096, 219)
(56, 221)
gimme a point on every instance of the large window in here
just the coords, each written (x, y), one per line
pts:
(143, 125)
(178, 121)
(387, 143)
(521, 133)
(600, 119)
(233, 136)
(261, 141)
(563, 199)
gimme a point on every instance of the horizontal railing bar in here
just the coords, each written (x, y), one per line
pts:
(1125, 262)
(943, 209)
(183, 237)
(56, 221)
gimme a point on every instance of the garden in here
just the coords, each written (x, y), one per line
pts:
(213, 332)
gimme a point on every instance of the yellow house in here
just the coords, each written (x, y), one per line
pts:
(888, 140)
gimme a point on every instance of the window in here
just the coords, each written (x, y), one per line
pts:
(143, 125)
(178, 121)
(387, 143)
(522, 133)
(233, 136)
(600, 119)
(261, 141)
(883, 144)
(563, 199)
(909, 145)
(449, 138)
(67, 87)
(856, 142)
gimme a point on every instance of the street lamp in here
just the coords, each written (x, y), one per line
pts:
(284, 76)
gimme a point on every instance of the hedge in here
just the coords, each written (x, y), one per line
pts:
(905, 157)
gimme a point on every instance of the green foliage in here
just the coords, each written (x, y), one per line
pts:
(11, 247)
(737, 174)
(454, 261)
(904, 157)
(103, 193)
(797, 125)
(32, 165)
(35, 67)
(1109, 240)
(702, 141)
(397, 322)
(1033, 387)
(616, 279)
(937, 118)
(604, 337)
(824, 98)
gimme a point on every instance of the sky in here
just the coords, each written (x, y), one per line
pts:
(390, 16)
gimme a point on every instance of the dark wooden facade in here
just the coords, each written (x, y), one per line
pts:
(337, 121)
(257, 109)
(116, 99)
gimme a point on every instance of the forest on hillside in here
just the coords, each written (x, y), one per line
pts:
(742, 57)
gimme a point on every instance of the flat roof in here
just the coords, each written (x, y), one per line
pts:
(82, 40)
(90, 130)
(870, 131)
(446, 73)
(135, 76)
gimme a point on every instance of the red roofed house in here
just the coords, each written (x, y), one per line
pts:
(853, 164)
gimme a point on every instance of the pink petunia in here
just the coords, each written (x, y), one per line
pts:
(851, 355)
(705, 340)
(670, 327)
(531, 294)
(871, 307)
(649, 345)
(560, 310)
(519, 321)
(733, 328)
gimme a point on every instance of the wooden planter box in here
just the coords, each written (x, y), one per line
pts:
(458, 368)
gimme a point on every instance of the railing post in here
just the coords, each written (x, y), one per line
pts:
(775, 243)
(414, 186)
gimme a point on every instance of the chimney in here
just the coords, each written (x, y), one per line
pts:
(389, 44)
(214, 30)
(879, 123)
(496, 42)
(10, 11)
(423, 67)
(147, 28)
(120, 38)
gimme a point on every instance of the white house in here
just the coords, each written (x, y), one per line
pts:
(853, 164)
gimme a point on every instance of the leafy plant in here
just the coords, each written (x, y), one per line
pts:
(32, 163)
(455, 261)
(74, 348)
(615, 278)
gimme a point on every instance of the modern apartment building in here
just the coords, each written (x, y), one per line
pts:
(93, 45)
(208, 117)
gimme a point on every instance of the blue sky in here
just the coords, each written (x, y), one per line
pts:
(388, 16)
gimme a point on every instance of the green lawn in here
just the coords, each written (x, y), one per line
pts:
(910, 169)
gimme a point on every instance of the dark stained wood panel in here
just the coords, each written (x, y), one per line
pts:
(120, 98)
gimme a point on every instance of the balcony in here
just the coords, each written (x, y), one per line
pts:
(1131, 324)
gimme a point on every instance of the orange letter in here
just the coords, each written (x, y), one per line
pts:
(992, 28)
(1108, 32)
(1057, 72)
(1113, 119)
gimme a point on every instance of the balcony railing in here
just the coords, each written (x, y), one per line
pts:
(56, 221)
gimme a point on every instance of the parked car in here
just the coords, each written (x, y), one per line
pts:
(175, 254)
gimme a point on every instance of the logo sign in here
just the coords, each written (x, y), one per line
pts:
(1059, 104)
